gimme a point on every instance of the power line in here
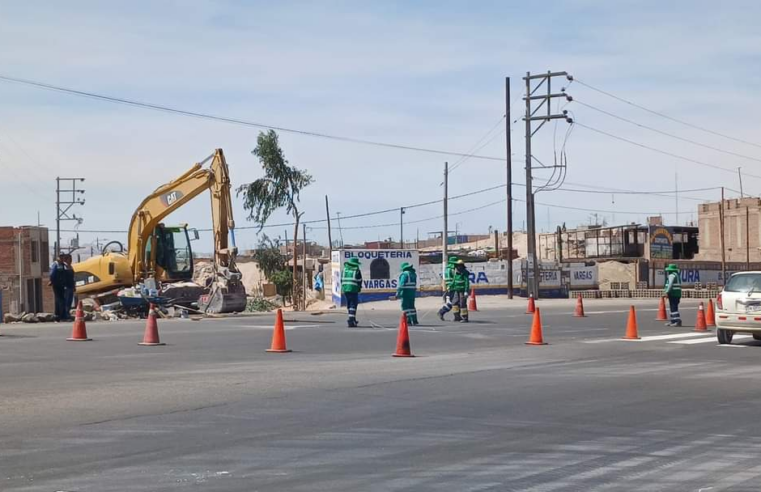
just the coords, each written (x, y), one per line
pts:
(235, 121)
(681, 122)
(693, 142)
(664, 152)
(475, 148)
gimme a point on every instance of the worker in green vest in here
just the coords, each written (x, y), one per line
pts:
(351, 286)
(673, 290)
(460, 289)
(406, 289)
(448, 277)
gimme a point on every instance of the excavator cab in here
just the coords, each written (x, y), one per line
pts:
(173, 258)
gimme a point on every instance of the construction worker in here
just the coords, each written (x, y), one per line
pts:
(673, 290)
(351, 286)
(406, 290)
(460, 289)
(448, 277)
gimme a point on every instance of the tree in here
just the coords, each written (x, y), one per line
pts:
(268, 257)
(279, 187)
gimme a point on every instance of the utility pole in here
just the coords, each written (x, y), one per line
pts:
(532, 279)
(304, 268)
(676, 198)
(401, 227)
(65, 199)
(444, 233)
(739, 174)
(509, 172)
(340, 231)
(330, 238)
(747, 238)
(723, 253)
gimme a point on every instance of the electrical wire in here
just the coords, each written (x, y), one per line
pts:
(677, 137)
(681, 122)
(475, 148)
(664, 152)
(235, 121)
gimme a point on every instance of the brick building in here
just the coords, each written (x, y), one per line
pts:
(742, 220)
(24, 265)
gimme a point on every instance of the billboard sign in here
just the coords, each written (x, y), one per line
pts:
(661, 242)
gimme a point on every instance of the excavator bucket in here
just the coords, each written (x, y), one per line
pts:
(218, 302)
(226, 295)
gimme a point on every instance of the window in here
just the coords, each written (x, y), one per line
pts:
(744, 283)
(380, 269)
(35, 246)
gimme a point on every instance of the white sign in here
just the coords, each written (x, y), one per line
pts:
(380, 267)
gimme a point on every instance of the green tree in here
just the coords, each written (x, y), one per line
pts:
(267, 255)
(278, 188)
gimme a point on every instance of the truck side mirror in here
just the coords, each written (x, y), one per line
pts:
(195, 235)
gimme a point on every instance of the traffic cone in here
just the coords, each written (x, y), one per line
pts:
(710, 315)
(631, 326)
(700, 323)
(662, 316)
(403, 339)
(531, 305)
(278, 335)
(472, 305)
(536, 330)
(579, 313)
(79, 331)
(151, 336)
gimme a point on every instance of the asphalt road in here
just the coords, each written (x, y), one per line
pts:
(476, 410)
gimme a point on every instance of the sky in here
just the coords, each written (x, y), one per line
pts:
(427, 74)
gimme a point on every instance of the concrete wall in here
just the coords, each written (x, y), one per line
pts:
(734, 230)
(35, 262)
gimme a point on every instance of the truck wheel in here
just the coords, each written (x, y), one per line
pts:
(724, 336)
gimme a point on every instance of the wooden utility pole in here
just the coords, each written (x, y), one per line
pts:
(496, 242)
(723, 252)
(304, 268)
(330, 237)
(445, 233)
(747, 238)
(509, 173)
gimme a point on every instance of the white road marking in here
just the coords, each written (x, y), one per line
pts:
(650, 338)
(708, 340)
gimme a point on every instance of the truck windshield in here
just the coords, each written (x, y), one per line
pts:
(744, 282)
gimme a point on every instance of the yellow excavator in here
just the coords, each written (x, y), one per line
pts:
(163, 253)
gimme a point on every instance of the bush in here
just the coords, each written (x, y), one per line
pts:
(259, 304)
(283, 281)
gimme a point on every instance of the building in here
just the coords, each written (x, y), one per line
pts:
(652, 242)
(24, 265)
(742, 218)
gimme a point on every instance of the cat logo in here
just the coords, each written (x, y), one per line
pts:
(170, 198)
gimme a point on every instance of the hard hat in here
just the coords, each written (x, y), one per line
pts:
(405, 266)
(353, 261)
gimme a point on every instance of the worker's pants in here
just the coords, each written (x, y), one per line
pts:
(69, 300)
(59, 293)
(352, 301)
(460, 306)
(674, 310)
(408, 308)
(447, 303)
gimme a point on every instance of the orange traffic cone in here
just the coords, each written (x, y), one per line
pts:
(631, 326)
(472, 305)
(536, 330)
(700, 323)
(579, 313)
(403, 339)
(278, 335)
(79, 331)
(662, 316)
(710, 315)
(531, 306)
(151, 336)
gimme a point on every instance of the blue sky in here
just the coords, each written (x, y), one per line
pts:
(428, 74)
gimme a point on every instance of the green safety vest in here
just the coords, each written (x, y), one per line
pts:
(407, 284)
(673, 285)
(351, 280)
(461, 281)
